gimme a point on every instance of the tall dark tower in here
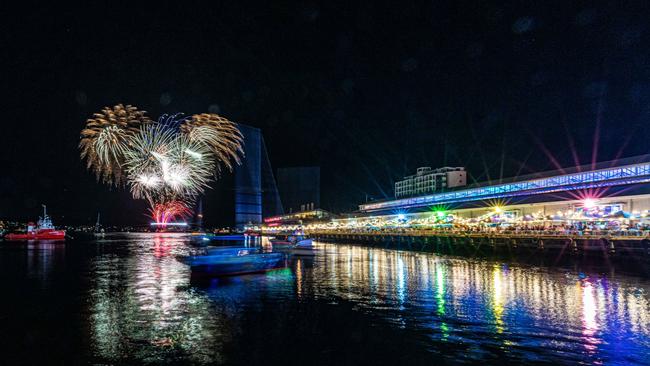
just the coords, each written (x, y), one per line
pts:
(255, 189)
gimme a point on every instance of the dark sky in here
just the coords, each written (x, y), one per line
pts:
(369, 91)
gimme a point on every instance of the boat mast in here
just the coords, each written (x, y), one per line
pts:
(97, 223)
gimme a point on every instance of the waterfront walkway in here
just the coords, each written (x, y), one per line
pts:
(606, 241)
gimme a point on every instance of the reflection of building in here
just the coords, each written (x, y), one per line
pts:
(255, 190)
(427, 180)
(299, 188)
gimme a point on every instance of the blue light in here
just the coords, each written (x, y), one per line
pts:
(401, 216)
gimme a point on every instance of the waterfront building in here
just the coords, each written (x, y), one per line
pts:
(604, 195)
(614, 186)
(299, 218)
(427, 180)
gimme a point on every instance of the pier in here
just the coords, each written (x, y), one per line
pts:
(624, 243)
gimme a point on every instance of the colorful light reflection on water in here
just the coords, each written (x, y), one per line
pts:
(131, 301)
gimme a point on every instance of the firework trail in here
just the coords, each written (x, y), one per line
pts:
(164, 213)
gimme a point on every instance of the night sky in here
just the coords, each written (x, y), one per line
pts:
(369, 91)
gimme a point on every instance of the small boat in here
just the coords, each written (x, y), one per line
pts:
(44, 231)
(307, 251)
(222, 264)
(202, 239)
(230, 250)
(291, 241)
(303, 248)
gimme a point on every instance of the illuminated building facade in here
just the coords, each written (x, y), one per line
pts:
(427, 180)
(618, 209)
(608, 195)
(605, 178)
(298, 218)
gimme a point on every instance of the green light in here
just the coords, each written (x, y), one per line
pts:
(440, 213)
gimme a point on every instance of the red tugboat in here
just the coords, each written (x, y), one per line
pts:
(44, 231)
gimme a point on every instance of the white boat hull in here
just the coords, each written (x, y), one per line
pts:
(304, 243)
(304, 251)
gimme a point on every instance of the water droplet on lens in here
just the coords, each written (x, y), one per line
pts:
(410, 65)
(523, 25)
(165, 99)
(81, 97)
(214, 108)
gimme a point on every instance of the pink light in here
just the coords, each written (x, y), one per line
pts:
(589, 203)
(164, 213)
(168, 224)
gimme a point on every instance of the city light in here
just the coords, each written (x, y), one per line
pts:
(589, 203)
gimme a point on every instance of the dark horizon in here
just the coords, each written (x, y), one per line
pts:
(367, 92)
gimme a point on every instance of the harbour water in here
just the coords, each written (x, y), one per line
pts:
(125, 299)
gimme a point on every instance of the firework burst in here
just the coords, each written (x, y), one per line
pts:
(222, 135)
(168, 162)
(105, 138)
(162, 165)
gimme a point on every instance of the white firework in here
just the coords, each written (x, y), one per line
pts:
(169, 162)
(162, 164)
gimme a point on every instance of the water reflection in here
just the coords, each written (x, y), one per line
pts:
(589, 321)
(140, 308)
(41, 258)
(348, 304)
(553, 315)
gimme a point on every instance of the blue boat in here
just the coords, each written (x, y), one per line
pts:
(221, 264)
(199, 239)
(229, 250)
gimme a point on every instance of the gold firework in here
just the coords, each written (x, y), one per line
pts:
(106, 137)
(221, 135)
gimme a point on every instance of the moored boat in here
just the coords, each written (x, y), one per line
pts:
(291, 240)
(44, 230)
(222, 264)
(230, 250)
(307, 251)
(202, 239)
